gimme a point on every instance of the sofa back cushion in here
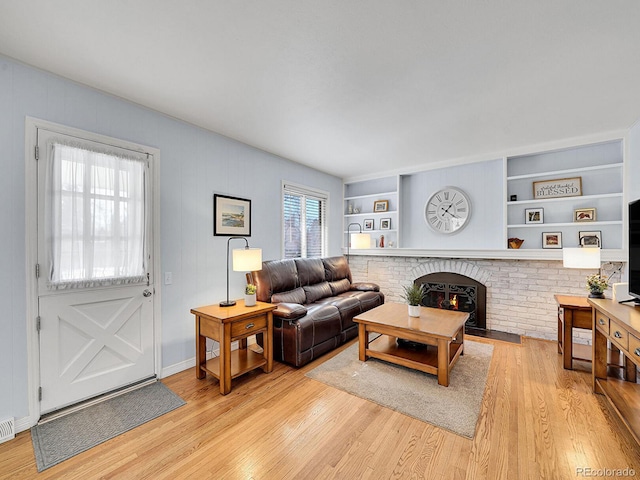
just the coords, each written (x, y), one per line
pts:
(296, 295)
(340, 286)
(276, 276)
(317, 291)
(310, 271)
(336, 268)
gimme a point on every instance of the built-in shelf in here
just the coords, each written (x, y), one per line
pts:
(565, 199)
(360, 214)
(569, 171)
(371, 195)
(583, 225)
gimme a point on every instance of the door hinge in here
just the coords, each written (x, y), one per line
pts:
(39, 394)
(37, 152)
(38, 324)
(148, 279)
(37, 270)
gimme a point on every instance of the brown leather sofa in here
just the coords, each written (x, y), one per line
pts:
(316, 305)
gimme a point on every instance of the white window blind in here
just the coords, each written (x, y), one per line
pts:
(95, 218)
(304, 221)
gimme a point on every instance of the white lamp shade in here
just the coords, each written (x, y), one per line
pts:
(247, 259)
(584, 257)
(360, 240)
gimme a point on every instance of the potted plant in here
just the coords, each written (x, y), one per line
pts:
(250, 295)
(413, 295)
(596, 285)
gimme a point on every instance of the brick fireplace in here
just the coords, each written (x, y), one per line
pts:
(519, 292)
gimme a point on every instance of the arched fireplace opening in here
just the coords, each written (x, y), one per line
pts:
(452, 291)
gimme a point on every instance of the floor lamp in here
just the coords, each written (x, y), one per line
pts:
(357, 241)
(244, 260)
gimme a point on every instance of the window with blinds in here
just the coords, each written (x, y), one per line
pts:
(304, 221)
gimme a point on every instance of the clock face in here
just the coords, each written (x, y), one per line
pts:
(447, 210)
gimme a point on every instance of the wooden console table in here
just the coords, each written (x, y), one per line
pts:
(573, 312)
(226, 325)
(619, 325)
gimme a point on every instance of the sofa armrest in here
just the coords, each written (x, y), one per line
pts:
(290, 311)
(365, 287)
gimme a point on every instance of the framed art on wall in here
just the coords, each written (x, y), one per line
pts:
(534, 215)
(381, 205)
(231, 216)
(590, 239)
(584, 215)
(552, 240)
(561, 187)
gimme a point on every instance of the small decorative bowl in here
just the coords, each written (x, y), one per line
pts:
(515, 242)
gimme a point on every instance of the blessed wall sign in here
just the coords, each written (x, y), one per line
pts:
(562, 187)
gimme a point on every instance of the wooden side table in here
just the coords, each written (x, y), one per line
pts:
(226, 325)
(573, 312)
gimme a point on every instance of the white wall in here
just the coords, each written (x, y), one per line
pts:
(195, 164)
(483, 184)
(633, 172)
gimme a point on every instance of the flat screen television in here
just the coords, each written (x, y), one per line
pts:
(634, 250)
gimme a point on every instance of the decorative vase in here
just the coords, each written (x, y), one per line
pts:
(249, 300)
(596, 294)
(414, 310)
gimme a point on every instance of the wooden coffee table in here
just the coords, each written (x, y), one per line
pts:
(441, 331)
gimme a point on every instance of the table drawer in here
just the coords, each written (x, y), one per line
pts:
(634, 347)
(619, 335)
(248, 326)
(602, 322)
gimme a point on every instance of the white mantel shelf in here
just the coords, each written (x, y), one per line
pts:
(607, 255)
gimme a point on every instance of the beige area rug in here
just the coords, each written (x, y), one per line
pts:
(455, 408)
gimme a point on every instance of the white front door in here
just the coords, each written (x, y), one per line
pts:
(95, 283)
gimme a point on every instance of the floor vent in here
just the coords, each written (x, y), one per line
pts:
(7, 430)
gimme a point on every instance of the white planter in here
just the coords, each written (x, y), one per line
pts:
(414, 310)
(249, 300)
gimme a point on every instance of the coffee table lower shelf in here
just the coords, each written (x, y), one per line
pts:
(424, 359)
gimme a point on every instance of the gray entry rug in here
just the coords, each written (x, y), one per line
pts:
(455, 408)
(64, 437)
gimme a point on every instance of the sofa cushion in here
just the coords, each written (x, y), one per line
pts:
(310, 271)
(297, 295)
(321, 323)
(348, 306)
(339, 286)
(317, 291)
(336, 268)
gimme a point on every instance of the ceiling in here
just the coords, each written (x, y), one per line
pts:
(351, 87)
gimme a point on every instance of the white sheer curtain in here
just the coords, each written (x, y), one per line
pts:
(95, 217)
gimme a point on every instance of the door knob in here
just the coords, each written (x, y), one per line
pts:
(146, 293)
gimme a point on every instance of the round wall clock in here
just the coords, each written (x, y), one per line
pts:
(447, 210)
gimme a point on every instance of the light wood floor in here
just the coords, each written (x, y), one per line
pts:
(537, 421)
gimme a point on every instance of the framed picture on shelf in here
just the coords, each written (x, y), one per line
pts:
(584, 215)
(367, 224)
(231, 216)
(380, 206)
(534, 215)
(385, 224)
(561, 187)
(590, 239)
(551, 239)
